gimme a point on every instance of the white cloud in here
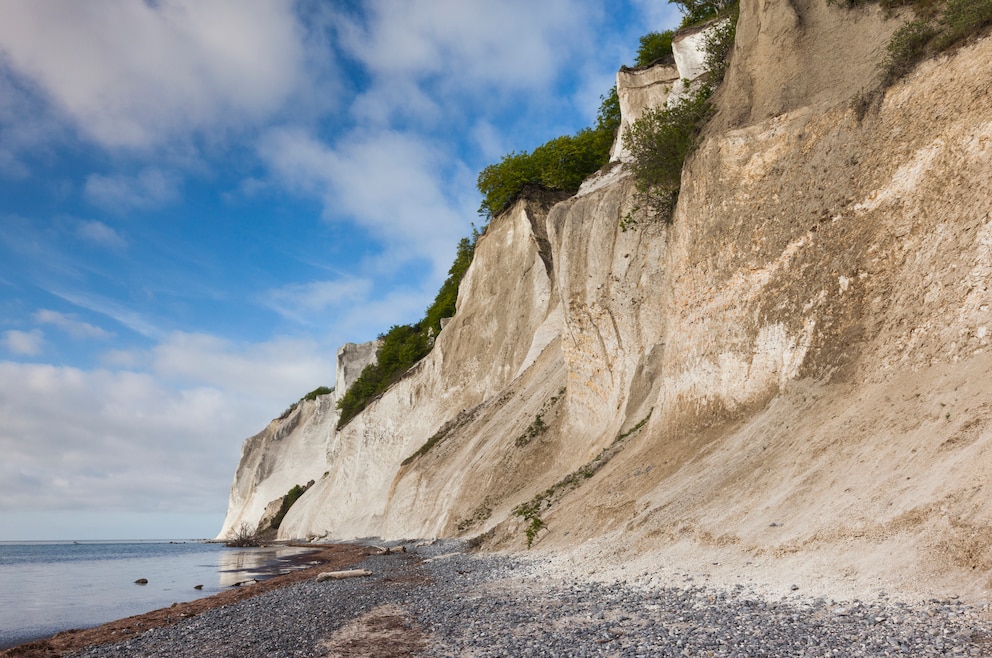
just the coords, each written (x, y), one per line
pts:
(275, 370)
(514, 42)
(488, 140)
(75, 439)
(151, 188)
(70, 325)
(136, 74)
(658, 16)
(24, 343)
(298, 300)
(165, 440)
(100, 234)
(391, 184)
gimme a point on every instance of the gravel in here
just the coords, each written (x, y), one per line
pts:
(436, 600)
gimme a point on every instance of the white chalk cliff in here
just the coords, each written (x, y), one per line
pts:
(808, 344)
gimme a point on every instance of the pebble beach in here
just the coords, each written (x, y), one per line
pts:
(439, 600)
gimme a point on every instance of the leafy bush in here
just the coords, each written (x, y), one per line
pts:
(404, 345)
(654, 46)
(659, 143)
(315, 393)
(695, 12)
(720, 42)
(961, 19)
(661, 140)
(560, 164)
(312, 395)
(287, 501)
(938, 26)
(907, 47)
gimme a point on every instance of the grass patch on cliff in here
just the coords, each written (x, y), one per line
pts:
(404, 345)
(458, 421)
(938, 26)
(532, 510)
(312, 395)
(538, 427)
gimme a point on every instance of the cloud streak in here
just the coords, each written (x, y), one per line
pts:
(70, 325)
(157, 70)
(24, 343)
(122, 194)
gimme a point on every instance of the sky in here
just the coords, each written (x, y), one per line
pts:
(201, 200)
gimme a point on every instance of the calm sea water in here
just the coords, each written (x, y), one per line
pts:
(50, 587)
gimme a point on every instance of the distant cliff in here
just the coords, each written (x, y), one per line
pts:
(792, 377)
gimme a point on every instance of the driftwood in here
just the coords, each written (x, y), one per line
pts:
(338, 575)
(384, 550)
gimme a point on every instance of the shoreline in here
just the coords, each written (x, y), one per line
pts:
(334, 556)
(437, 600)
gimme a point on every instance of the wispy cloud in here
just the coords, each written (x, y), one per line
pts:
(121, 194)
(24, 343)
(70, 325)
(116, 311)
(113, 432)
(468, 41)
(299, 301)
(101, 235)
(165, 437)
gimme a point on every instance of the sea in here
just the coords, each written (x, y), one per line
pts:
(47, 587)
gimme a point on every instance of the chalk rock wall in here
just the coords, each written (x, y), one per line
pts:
(807, 343)
(499, 330)
(291, 450)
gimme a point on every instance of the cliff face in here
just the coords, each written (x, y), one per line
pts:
(292, 450)
(807, 345)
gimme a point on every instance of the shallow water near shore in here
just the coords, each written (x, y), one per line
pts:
(47, 587)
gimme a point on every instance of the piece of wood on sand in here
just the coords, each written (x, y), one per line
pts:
(338, 575)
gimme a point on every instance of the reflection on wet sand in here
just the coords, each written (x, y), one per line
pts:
(238, 565)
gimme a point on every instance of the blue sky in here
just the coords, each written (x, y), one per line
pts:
(200, 200)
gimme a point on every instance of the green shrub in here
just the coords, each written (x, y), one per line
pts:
(312, 395)
(938, 26)
(909, 46)
(287, 501)
(315, 393)
(961, 19)
(404, 345)
(695, 12)
(720, 43)
(654, 46)
(559, 164)
(659, 142)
